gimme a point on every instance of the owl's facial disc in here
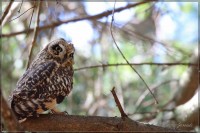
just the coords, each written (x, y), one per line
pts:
(57, 50)
(62, 51)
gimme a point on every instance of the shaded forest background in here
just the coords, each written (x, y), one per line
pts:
(160, 40)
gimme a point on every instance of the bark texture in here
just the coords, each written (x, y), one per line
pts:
(58, 122)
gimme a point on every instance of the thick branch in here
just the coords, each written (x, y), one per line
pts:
(188, 114)
(57, 122)
(189, 82)
(94, 17)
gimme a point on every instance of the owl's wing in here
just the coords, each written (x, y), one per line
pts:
(40, 89)
(34, 80)
(47, 80)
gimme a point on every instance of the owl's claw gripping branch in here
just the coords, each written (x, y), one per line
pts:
(47, 81)
(56, 111)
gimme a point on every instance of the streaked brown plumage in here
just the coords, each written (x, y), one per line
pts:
(46, 82)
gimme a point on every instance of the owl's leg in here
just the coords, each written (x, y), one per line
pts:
(56, 111)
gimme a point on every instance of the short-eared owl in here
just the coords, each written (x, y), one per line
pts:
(46, 82)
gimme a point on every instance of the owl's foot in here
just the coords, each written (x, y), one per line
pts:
(56, 111)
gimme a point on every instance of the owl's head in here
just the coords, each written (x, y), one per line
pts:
(61, 51)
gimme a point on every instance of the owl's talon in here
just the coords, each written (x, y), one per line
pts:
(66, 113)
(51, 112)
(55, 111)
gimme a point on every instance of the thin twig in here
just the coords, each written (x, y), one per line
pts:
(6, 11)
(125, 57)
(31, 19)
(142, 97)
(123, 114)
(136, 64)
(94, 17)
(35, 34)
(21, 14)
(20, 6)
(143, 37)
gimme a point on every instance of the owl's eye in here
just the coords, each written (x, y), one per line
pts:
(57, 48)
(71, 55)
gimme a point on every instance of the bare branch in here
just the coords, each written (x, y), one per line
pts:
(22, 14)
(123, 114)
(141, 98)
(6, 11)
(136, 64)
(97, 16)
(125, 57)
(31, 18)
(34, 35)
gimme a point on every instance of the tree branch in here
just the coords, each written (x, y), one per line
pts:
(6, 11)
(123, 114)
(20, 14)
(142, 97)
(136, 64)
(187, 114)
(57, 122)
(34, 35)
(113, 12)
(189, 82)
(94, 17)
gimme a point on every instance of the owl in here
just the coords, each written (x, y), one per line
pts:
(47, 81)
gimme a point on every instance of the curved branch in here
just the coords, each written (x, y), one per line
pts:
(189, 82)
(111, 31)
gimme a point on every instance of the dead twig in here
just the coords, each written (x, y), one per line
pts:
(31, 19)
(21, 14)
(34, 35)
(141, 98)
(156, 101)
(136, 64)
(123, 114)
(6, 11)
